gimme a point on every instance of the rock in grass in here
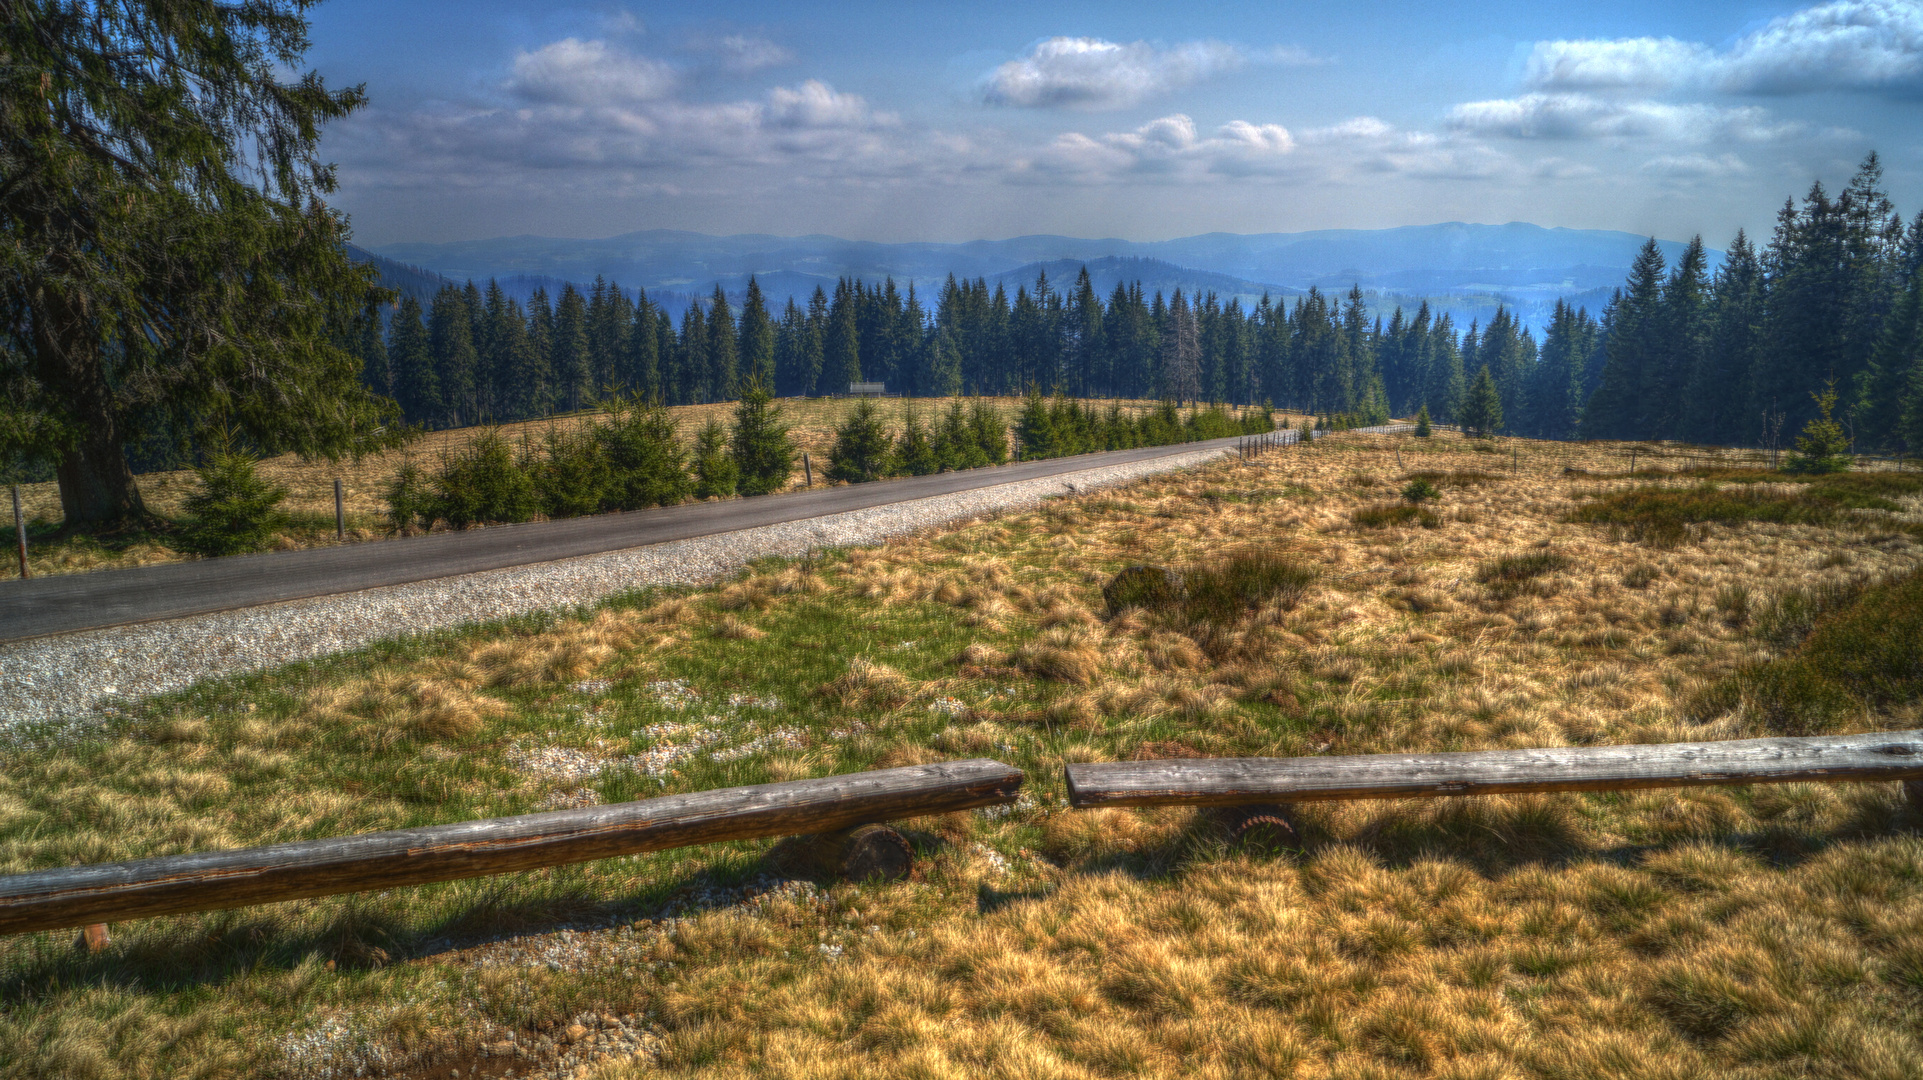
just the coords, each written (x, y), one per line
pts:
(1144, 587)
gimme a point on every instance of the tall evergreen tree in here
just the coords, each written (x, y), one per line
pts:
(1482, 406)
(411, 354)
(452, 334)
(1618, 409)
(841, 363)
(569, 357)
(534, 382)
(1181, 353)
(757, 338)
(723, 354)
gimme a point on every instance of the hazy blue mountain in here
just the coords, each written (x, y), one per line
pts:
(407, 280)
(1460, 267)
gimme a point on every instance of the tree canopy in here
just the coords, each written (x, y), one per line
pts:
(168, 268)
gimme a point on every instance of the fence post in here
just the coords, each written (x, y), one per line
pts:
(807, 471)
(340, 513)
(20, 531)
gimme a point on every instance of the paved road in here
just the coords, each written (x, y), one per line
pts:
(68, 603)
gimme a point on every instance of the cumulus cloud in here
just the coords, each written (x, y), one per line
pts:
(1090, 73)
(1862, 45)
(1586, 116)
(1848, 45)
(1174, 148)
(1622, 64)
(579, 72)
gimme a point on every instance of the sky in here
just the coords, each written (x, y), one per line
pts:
(951, 122)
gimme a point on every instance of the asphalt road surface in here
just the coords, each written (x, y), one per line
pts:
(68, 603)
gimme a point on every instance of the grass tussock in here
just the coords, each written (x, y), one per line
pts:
(1860, 659)
(1451, 478)
(1663, 516)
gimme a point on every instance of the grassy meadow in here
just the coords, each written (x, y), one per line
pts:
(310, 484)
(1543, 596)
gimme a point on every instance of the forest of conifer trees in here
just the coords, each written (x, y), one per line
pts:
(1729, 357)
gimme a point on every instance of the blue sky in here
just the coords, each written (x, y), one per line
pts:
(1143, 121)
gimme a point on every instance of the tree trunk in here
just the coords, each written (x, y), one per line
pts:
(95, 482)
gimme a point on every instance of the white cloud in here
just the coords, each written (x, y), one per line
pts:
(1090, 73)
(1848, 45)
(1585, 116)
(1864, 45)
(580, 72)
(1695, 166)
(1622, 64)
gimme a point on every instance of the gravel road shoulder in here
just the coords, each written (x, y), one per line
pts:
(49, 683)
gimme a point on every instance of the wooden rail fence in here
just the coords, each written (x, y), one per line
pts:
(175, 884)
(1893, 755)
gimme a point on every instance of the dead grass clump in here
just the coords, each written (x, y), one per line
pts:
(571, 652)
(1108, 831)
(869, 683)
(1385, 515)
(1060, 655)
(1510, 569)
(390, 707)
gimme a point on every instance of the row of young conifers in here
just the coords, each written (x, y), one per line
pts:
(630, 455)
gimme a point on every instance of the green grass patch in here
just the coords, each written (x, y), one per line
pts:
(1662, 516)
(1857, 658)
(1511, 569)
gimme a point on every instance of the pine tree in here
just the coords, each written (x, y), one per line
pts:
(571, 364)
(757, 338)
(989, 432)
(723, 355)
(646, 463)
(954, 441)
(411, 353)
(841, 363)
(944, 366)
(534, 377)
(452, 335)
(1034, 427)
(915, 451)
(1423, 430)
(1181, 354)
(862, 450)
(715, 473)
(1618, 409)
(1482, 407)
(763, 453)
(1822, 448)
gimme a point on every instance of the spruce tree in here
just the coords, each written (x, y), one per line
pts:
(1618, 409)
(1482, 407)
(452, 334)
(646, 463)
(954, 441)
(989, 431)
(715, 473)
(573, 373)
(376, 373)
(1035, 427)
(862, 450)
(1822, 447)
(723, 354)
(1423, 430)
(411, 353)
(915, 450)
(763, 453)
(841, 347)
(757, 338)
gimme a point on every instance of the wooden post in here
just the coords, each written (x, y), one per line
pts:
(208, 881)
(20, 531)
(807, 471)
(340, 513)
(1632, 463)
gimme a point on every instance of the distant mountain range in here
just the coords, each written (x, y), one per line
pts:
(1467, 270)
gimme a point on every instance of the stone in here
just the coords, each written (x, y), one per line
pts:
(1152, 587)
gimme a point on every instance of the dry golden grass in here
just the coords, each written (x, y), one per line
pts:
(1773, 931)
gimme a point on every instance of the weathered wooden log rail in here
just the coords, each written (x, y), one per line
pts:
(176, 884)
(1891, 755)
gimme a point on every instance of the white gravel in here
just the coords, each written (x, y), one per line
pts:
(47, 685)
